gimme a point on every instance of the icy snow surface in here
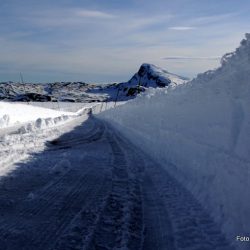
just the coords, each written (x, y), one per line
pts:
(200, 132)
(79, 184)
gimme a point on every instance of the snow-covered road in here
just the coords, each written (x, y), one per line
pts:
(92, 189)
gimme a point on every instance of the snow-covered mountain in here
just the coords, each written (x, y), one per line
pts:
(148, 76)
(200, 132)
(152, 76)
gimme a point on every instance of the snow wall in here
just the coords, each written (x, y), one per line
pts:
(200, 132)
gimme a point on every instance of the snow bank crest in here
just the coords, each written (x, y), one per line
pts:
(233, 63)
(4, 121)
(42, 123)
(12, 114)
(240, 53)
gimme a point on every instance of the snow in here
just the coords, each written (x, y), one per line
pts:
(13, 113)
(91, 188)
(18, 144)
(200, 132)
(82, 172)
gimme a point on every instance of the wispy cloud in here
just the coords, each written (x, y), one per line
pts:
(66, 18)
(211, 19)
(93, 14)
(79, 17)
(192, 58)
(182, 28)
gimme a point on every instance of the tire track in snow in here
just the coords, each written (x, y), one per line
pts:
(74, 203)
(85, 189)
(120, 224)
(121, 201)
(158, 232)
(173, 218)
(191, 225)
(78, 185)
(95, 134)
(80, 231)
(157, 227)
(47, 194)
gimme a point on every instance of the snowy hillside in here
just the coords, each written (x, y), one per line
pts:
(200, 132)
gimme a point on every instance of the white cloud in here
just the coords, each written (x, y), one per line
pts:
(206, 20)
(181, 28)
(192, 58)
(66, 18)
(93, 14)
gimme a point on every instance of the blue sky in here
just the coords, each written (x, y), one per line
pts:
(107, 40)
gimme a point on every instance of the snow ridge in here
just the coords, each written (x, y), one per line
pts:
(236, 62)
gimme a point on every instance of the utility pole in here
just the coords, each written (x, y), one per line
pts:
(21, 77)
(117, 96)
(139, 81)
(101, 107)
(139, 85)
(23, 83)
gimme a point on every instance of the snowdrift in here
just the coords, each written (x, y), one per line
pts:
(200, 132)
(34, 117)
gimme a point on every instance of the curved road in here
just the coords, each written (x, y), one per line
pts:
(92, 189)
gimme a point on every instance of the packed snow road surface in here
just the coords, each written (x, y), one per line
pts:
(92, 189)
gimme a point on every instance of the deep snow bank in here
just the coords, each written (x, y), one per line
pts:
(13, 113)
(203, 129)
